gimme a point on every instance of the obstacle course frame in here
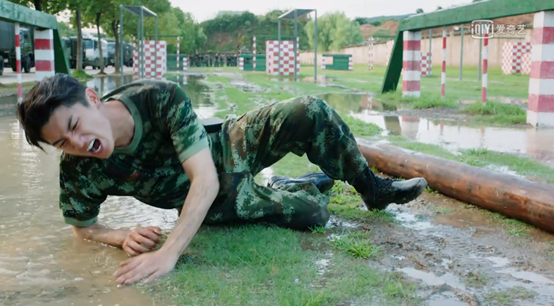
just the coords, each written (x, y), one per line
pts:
(454, 16)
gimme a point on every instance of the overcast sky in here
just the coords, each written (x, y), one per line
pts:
(207, 9)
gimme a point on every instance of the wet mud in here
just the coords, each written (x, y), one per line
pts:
(462, 256)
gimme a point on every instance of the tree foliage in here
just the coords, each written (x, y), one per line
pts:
(335, 31)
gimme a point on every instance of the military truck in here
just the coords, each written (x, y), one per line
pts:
(90, 52)
(127, 53)
(7, 47)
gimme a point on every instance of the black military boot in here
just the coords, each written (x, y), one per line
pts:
(318, 178)
(378, 193)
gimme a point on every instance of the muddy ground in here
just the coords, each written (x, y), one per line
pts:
(461, 255)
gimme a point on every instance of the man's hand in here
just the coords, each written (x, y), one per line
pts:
(151, 265)
(203, 189)
(141, 240)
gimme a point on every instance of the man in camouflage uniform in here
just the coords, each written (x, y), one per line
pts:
(144, 140)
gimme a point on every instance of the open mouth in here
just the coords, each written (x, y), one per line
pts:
(94, 146)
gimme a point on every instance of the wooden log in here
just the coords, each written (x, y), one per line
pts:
(514, 197)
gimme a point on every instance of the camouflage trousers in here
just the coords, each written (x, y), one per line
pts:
(258, 139)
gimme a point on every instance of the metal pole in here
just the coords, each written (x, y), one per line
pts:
(156, 48)
(138, 48)
(295, 45)
(121, 42)
(462, 52)
(315, 52)
(279, 56)
(142, 41)
(18, 62)
(480, 50)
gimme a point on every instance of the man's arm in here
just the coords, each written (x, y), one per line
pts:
(102, 234)
(134, 242)
(204, 188)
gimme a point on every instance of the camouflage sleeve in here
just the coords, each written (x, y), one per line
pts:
(80, 198)
(186, 131)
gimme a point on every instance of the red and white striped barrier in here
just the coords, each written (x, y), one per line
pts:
(178, 54)
(425, 64)
(18, 63)
(254, 50)
(241, 63)
(323, 62)
(350, 63)
(526, 63)
(540, 109)
(485, 67)
(443, 73)
(185, 63)
(411, 77)
(44, 54)
(513, 56)
(154, 65)
(371, 47)
(390, 45)
(287, 58)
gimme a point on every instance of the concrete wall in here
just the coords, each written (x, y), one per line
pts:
(453, 46)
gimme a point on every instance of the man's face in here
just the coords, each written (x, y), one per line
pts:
(80, 130)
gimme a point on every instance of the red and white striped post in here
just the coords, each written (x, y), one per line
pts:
(485, 66)
(254, 50)
(18, 63)
(178, 54)
(297, 64)
(241, 63)
(370, 40)
(350, 63)
(443, 74)
(185, 63)
(44, 54)
(540, 110)
(411, 79)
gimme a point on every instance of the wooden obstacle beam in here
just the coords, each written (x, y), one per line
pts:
(514, 197)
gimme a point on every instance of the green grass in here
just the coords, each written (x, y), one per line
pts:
(81, 74)
(476, 279)
(509, 296)
(215, 78)
(257, 265)
(361, 128)
(497, 112)
(483, 158)
(356, 244)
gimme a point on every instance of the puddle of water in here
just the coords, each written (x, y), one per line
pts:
(498, 262)
(453, 136)
(446, 302)
(40, 260)
(433, 280)
(528, 276)
(410, 220)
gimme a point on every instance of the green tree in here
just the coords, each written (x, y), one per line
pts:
(419, 11)
(93, 15)
(335, 31)
(66, 30)
(47, 6)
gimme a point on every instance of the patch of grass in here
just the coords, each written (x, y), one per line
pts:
(318, 229)
(215, 78)
(361, 128)
(257, 265)
(431, 190)
(476, 279)
(356, 244)
(509, 296)
(81, 74)
(496, 112)
(433, 101)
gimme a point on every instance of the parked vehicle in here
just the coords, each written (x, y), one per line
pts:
(7, 47)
